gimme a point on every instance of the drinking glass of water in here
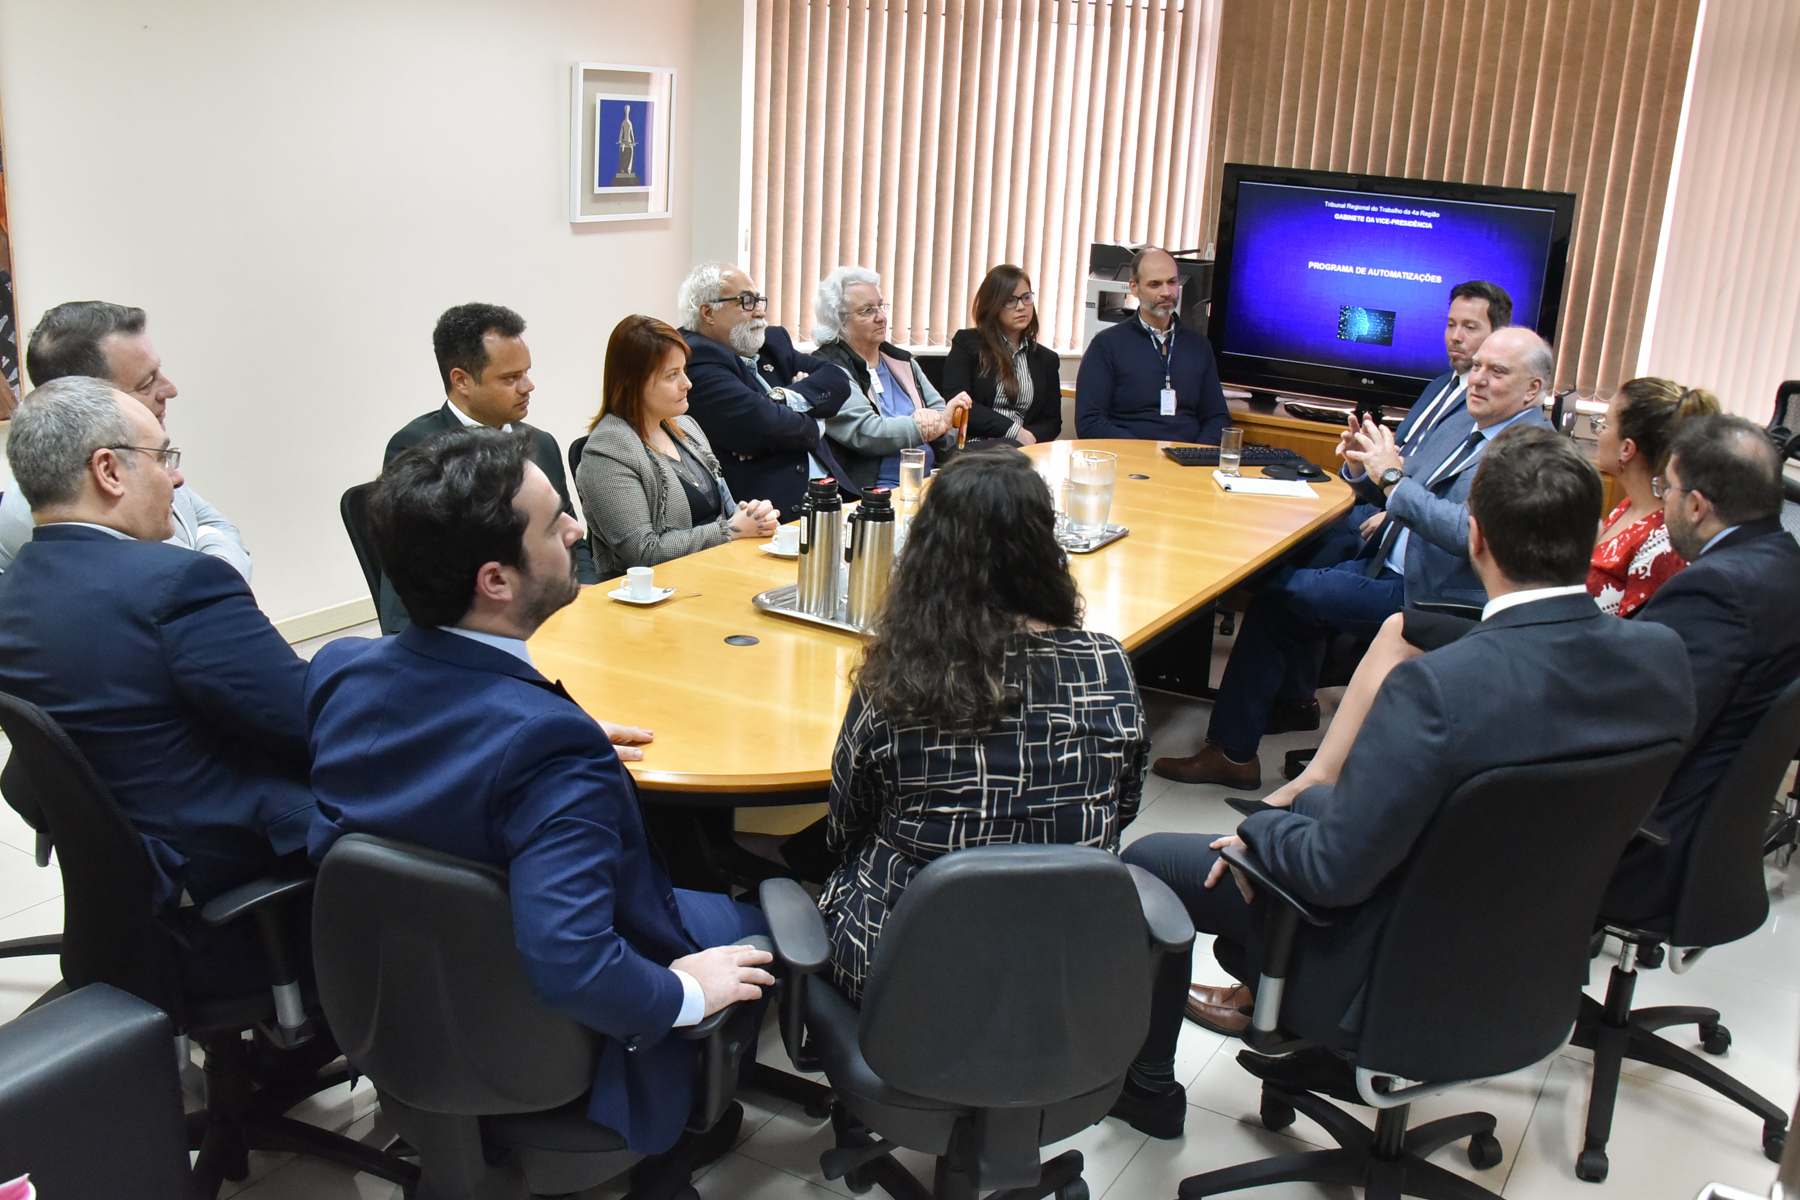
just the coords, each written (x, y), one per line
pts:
(1231, 451)
(912, 477)
(1091, 474)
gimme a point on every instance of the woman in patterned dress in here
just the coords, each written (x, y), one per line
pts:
(983, 714)
(1633, 557)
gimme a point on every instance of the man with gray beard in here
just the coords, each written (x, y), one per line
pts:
(761, 403)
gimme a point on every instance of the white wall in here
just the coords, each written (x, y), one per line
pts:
(295, 191)
(1726, 307)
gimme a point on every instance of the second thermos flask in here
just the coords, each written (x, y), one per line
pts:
(821, 550)
(871, 557)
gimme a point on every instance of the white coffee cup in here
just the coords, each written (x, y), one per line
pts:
(787, 539)
(640, 583)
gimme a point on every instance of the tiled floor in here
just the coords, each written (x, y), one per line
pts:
(1671, 1137)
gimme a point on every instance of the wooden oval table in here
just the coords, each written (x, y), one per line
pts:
(740, 725)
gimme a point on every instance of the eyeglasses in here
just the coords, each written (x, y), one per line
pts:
(1599, 422)
(868, 311)
(748, 301)
(168, 456)
(1662, 488)
(1019, 301)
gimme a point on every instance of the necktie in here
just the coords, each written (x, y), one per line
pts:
(1434, 413)
(1391, 528)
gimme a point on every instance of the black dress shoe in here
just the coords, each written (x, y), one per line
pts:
(1312, 1069)
(1248, 806)
(1293, 718)
(1158, 1111)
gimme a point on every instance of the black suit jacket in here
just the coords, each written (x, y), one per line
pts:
(544, 452)
(1550, 679)
(1734, 610)
(761, 443)
(963, 373)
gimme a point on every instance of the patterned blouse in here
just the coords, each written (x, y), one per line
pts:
(1630, 565)
(1066, 766)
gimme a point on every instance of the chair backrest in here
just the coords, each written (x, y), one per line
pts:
(1787, 407)
(1486, 947)
(1790, 506)
(354, 508)
(1010, 977)
(932, 366)
(109, 932)
(576, 448)
(1723, 896)
(422, 983)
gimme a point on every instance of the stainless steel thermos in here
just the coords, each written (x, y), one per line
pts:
(821, 550)
(871, 557)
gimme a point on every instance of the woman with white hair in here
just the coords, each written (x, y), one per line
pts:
(894, 407)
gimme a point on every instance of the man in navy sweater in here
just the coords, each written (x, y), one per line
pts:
(1147, 378)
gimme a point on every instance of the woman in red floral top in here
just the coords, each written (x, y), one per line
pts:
(1633, 556)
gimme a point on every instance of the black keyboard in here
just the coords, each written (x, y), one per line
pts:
(1254, 455)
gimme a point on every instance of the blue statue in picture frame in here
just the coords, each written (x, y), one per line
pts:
(623, 143)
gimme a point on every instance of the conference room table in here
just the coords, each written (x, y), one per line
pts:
(740, 725)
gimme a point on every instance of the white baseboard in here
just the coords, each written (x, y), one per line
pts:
(322, 621)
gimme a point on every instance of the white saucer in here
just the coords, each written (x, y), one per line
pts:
(769, 549)
(623, 596)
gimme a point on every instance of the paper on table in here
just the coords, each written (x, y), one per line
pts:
(1256, 486)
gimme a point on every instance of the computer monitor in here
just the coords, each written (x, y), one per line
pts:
(1337, 285)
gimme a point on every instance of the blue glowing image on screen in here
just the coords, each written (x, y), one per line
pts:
(1362, 281)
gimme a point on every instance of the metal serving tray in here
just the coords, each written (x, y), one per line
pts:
(1087, 545)
(784, 602)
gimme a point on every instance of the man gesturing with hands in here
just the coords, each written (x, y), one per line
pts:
(448, 737)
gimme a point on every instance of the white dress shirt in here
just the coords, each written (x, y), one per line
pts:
(1513, 599)
(466, 419)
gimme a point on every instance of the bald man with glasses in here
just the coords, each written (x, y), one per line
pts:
(760, 402)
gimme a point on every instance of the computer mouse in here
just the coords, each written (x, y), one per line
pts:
(1306, 470)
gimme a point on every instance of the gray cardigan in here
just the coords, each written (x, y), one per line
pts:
(637, 512)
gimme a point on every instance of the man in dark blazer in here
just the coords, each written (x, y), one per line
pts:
(1421, 556)
(448, 737)
(486, 368)
(155, 659)
(1734, 607)
(1522, 687)
(759, 401)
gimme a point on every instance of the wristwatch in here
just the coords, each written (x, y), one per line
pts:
(1390, 477)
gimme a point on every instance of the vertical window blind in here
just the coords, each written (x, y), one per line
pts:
(1580, 96)
(932, 139)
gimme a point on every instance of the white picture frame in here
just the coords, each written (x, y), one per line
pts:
(598, 92)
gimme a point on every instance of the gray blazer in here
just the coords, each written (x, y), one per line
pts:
(636, 509)
(1528, 685)
(1437, 554)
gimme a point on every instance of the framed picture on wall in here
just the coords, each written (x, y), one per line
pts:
(621, 119)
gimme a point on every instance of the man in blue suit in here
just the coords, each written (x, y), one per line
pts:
(1420, 556)
(760, 402)
(446, 736)
(154, 658)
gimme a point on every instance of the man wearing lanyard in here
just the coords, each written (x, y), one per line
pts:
(1136, 382)
(1420, 556)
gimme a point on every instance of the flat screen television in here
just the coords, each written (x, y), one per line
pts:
(1336, 285)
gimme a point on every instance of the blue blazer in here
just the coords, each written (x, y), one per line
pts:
(1405, 428)
(172, 682)
(1734, 609)
(762, 444)
(453, 744)
(1438, 720)
(1118, 390)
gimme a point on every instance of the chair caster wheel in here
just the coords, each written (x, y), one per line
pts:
(1591, 1166)
(859, 1181)
(1715, 1039)
(1484, 1151)
(1075, 1189)
(820, 1111)
(1277, 1114)
(1774, 1142)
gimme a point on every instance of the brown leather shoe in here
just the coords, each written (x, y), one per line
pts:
(1224, 1010)
(1211, 766)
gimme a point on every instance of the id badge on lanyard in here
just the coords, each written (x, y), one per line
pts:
(1168, 388)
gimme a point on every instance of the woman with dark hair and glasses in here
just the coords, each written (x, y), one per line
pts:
(1632, 557)
(982, 713)
(1014, 384)
(650, 487)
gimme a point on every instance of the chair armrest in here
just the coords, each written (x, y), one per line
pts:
(705, 1027)
(724, 1037)
(1245, 860)
(245, 898)
(1170, 926)
(1653, 831)
(796, 926)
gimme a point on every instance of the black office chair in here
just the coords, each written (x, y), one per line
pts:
(932, 367)
(16, 790)
(111, 936)
(421, 979)
(1784, 423)
(587, 549)
(390, 614)
(1009, 993)
(1723, 898)
(1478, 973)
(90, 1099)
